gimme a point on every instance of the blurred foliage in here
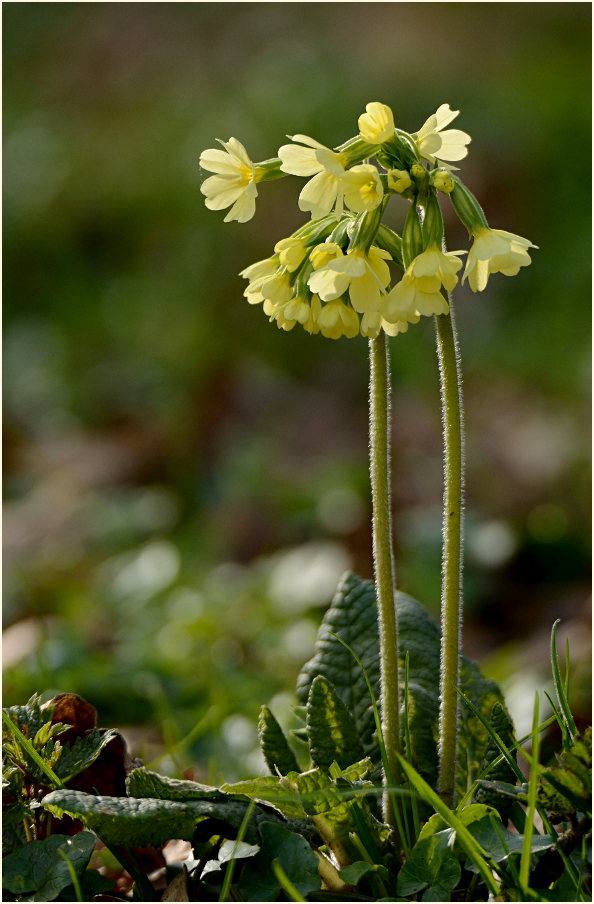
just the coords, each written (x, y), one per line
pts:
(184, 484)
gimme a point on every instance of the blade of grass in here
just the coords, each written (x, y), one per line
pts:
(560, 687)
(231, 865)
(525, 856)
(504, 749)
(73, 876)
(27, 746)
(565, 737)
(408, 747)
(472, 848)
(286, 883)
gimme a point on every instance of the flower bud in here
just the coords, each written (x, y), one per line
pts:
(442, 180)
(399, 180)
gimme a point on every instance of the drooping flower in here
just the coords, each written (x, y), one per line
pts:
(291, 252)
(362, 188)
(377, 124)
(288, 313)
(420, 289)
(337, 319)
(256, 274)
(365, 276)
(307, 157)
(435, 144)
(495, 251)
(234, 184)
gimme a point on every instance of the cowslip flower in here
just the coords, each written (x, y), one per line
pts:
(256, 274)
(336, 319)
(377, 124)
(291, 252)
(234, 184)
(362, 187)
(435, 144)
(495, 251)
(420, 289)
(288, 313)
(365, 276)
(307, 157)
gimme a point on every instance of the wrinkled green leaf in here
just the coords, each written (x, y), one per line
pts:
(353, 618)
(145, 821)
(142, 782)
(567, 787)
(331, 730)
(38, 870)
(275, 747)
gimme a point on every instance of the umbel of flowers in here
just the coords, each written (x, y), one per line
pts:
(346, 272)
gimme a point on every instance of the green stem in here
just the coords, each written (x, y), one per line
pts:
(385, 583)
(451, 588)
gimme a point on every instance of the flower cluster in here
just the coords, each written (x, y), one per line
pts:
(345, 273)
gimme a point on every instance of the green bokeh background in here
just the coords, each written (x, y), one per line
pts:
(184, 483)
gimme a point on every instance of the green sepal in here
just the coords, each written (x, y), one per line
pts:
(412, 236)
(355, 150)
(266, 170)
(331, 730)
(390, 241)
(433, 222)
(274, 745)
(364, 228)
(467, 207)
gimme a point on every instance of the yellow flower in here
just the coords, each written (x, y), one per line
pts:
(435, 144)
(256, 274)
(495, 251)
(324, 253)
(235, 182)
(290, 252)
(288, 313)
(365, 276)
(372, 322)
(377, 124)
(307, 157)
(419, 290)
(336, 319)
(362, 188)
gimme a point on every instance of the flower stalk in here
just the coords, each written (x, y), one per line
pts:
(452, 551)
(383, 556)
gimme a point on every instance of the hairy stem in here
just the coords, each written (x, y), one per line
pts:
(451, 588)
(383, 556)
